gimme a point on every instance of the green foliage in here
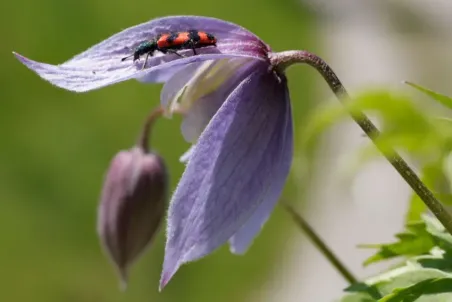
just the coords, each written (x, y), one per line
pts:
(414, 241)
(426, 271)
(405, 126)
(424, 248)
(434, 286)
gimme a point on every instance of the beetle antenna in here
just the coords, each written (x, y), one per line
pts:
(125, 58)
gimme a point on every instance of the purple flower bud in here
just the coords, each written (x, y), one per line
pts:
(132, 206)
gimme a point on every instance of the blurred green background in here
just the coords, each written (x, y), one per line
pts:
(56, 146)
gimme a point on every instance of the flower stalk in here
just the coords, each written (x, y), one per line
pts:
(284, 59)
(319, 244)
(143, 141)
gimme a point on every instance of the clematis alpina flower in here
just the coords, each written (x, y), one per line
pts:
(237, 115)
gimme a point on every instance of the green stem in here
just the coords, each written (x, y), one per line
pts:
(318, 242)
(282, 60)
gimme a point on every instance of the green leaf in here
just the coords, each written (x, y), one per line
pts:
(441, 262)
(404, 126)
(447, 167)
(444, 126)
(320, 120)
(439, 233)
(433, 286)
(415, 209)
(357, 297)
(443, 99)
(371, 291)
(431, 175)
(405, 276)
(388, 285)
(444, 198)
(413, 242)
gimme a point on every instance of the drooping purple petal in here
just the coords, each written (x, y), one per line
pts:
(101, 64)
(240, 242)
(231, 170)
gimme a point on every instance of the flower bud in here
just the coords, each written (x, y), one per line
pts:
(132, 206)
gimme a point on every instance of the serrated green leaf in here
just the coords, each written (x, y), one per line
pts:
(443, 99)
(403, 277)
(413, 242)
(441, 262)
(410, 293)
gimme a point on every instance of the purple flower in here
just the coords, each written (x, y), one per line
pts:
(237, 115)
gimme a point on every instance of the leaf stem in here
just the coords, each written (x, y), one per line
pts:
(318, 242)
(282, 60)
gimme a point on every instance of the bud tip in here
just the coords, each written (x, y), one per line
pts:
(123, 283)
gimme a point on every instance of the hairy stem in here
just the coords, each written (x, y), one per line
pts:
(282, 60)
(318, 242)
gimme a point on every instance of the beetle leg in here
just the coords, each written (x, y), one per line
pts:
(145, 61)
(174, 52)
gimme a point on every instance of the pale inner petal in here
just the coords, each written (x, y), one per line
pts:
(200, 89)
(175, 86)
(196, 81)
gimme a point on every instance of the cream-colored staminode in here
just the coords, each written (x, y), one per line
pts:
(207, 78)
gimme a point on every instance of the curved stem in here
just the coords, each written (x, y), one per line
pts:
(282, 60)
(318, 242)
(143, 140)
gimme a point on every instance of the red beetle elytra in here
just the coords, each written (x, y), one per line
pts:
(172, 42)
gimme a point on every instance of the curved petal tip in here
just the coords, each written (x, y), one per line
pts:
(167, 275)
